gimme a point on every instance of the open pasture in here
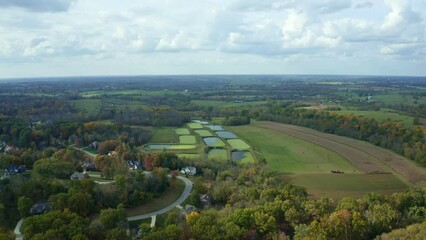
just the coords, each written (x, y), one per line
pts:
(225, 104)
(306, 157)
(381, 116)
(288, 154)
(338, 186)
(364, 156)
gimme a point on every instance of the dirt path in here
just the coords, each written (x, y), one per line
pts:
(364, 156)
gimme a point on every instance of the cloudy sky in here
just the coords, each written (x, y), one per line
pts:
(138, 37)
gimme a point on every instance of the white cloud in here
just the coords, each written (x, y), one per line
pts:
(283, 30)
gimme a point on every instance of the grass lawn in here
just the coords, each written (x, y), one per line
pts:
(187, 139)
(238, 144)
(171, 195)
(218, 154)
(195, 126)
(87, 105)
(204, 133)
(288, 154)
(182, 131)
(91, 150)
(382, 115)
(337, 186)
(163, 135)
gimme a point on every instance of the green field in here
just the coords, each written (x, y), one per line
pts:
(382, 115)
(309, 165)
(338, 186)
(127, 92)
(87, 105)
(187, 139)
(225, 104)
(238, 144)
(396, 99)
(182, 131)
(195, 126)
(287, 154)
(204, 133)
(162, 135)
(218, 154)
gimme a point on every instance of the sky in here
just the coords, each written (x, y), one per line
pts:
(44, 38)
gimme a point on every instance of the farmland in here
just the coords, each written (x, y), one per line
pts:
(382, 115)
(306, 157)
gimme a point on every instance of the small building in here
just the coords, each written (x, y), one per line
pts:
(134, 164)
(79, 176)
(189, 171)
(94, 145)
(39, 208)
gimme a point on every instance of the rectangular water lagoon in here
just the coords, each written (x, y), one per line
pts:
(213, 142)
(238, 144)
(242, 157)
(226, 134)
(170, 146)
(215, 127)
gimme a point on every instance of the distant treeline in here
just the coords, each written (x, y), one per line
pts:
(409, 142)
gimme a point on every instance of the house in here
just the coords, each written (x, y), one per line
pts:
(134, 164)
(94, 145)
(13, 169)
(39, 208)
(88, 167)
(189, 171)
(205, 200)
(79, 176)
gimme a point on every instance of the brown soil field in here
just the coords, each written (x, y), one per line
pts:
(364, 156)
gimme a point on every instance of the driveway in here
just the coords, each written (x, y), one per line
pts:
(180, 200)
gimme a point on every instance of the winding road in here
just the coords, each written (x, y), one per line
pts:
(180, 200)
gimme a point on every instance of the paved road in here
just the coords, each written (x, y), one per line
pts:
(17, 230)
(185, 195)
